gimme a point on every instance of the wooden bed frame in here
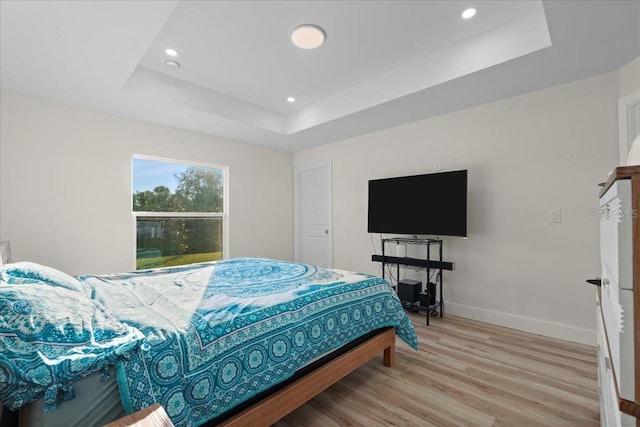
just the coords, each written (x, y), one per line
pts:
(276, 406)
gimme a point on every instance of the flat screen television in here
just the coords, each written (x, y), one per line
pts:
(433, 204)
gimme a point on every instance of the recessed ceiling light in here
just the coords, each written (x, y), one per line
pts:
(291, 99)
(307, 36)
(172, 64)
(171, 52)
(469, 13)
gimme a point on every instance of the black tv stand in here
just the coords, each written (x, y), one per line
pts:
(427, 265)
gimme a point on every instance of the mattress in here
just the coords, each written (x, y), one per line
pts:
(97, 403)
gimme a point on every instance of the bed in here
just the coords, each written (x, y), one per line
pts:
(230, 342)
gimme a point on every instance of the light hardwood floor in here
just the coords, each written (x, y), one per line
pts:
(466, 373)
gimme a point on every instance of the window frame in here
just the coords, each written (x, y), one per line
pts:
(224, 215)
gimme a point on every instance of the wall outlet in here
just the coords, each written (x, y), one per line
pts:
(555, 215)
(437, 166)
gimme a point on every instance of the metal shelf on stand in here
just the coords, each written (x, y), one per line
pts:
(422, 264)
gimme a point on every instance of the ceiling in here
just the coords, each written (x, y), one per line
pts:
(384, 63)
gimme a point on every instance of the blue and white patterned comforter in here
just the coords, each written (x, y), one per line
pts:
(219, 333)
(53, 334)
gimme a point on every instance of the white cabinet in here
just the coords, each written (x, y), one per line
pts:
(610, 413)
(618, 309)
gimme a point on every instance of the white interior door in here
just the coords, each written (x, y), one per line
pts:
(628, 123)
(312, 200)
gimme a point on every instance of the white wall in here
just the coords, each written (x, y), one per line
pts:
(629, 78)
(65, 181)
(525, 155)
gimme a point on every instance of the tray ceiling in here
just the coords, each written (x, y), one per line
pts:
(383, 63)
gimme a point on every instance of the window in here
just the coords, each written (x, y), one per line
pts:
(179, 212)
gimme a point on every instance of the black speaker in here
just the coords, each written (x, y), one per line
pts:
(409, 290)
(432, 296)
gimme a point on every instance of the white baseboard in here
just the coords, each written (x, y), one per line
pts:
(527, 324)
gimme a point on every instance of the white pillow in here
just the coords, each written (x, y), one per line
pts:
(25, 272)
